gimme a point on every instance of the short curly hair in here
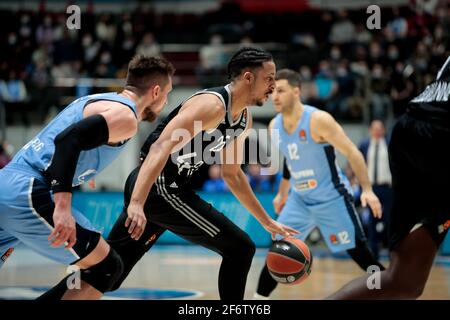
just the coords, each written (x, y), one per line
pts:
(144, 72)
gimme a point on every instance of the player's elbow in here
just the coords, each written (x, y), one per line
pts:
(160, 148)
(353, 155)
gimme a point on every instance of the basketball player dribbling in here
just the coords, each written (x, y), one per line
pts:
(160, 186)
(314, 192)
(420, 216)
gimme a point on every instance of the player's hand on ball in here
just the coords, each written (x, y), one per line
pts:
(369, 198)
(278, 203)
(136, 221)
(275, 228)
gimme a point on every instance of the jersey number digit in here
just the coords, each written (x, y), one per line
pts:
(292, 148)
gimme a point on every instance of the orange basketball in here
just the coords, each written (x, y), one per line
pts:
(289, 261)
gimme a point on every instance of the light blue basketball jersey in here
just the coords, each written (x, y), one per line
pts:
(315, 175)
(38, 153)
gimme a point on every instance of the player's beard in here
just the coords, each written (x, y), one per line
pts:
(148, 115)
(260, 102)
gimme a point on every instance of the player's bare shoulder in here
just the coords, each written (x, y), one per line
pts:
(122, 121)
(322, 124)
(111, 107)
(204, 107)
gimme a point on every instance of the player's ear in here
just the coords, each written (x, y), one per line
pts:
(297, 91)
(156, 90)
(248, 77)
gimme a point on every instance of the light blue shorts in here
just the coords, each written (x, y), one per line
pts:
(26, 215)
(337, 220)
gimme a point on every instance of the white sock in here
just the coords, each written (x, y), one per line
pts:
(257, 296)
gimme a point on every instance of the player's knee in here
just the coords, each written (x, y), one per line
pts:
(241, 247)
(104, 275)
(249, 248)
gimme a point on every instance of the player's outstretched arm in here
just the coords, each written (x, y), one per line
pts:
(328, 130)
(207, 111)
(235, 178)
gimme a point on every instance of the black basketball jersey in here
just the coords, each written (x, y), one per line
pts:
(433, 103)
(204, 148)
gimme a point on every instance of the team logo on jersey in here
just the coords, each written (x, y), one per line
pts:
(302, 136)
(306, 185)
(7, 254)
(444, 226)
(333, 239)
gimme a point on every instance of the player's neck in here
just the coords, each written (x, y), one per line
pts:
(133, 97)
(238, 100)
(293, 115)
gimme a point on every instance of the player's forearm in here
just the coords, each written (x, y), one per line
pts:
(284, 187)
(359, 167)
(150, 170)
(63, 200)
(240, 187)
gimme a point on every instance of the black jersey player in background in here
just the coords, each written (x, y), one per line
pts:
(211, 123)
(420, 216)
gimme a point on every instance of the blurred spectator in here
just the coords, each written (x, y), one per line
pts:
(401, 89)
(363, 35)
(393, 55)
(398, 26)
(105, 68)
(258, 181)
(90, 51)
(13, 94)
(44, 32)
(4, 156)
(325, 83)
(343, 30)
(148, 46)
(375, 151)
(213, 60)
(376, 54)
(42, 97)
(341, 105)
(106, 29)
(215, 182)
(426, 6)
(380, 104)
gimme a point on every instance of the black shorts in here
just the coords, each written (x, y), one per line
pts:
(184, 213)
(420, 167)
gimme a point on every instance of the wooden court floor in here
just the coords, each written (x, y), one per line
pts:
(196, 269)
